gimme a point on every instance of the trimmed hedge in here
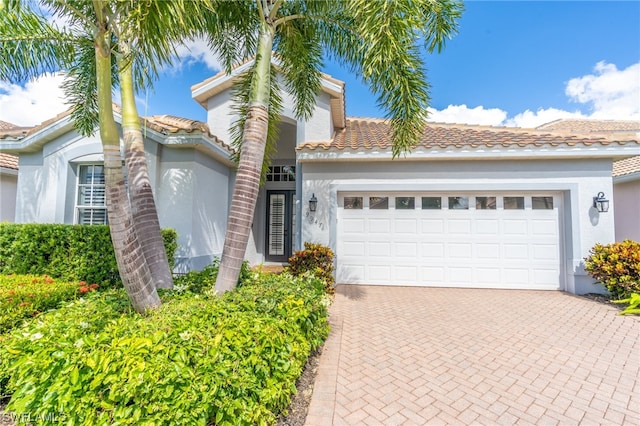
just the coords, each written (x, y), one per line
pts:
(229, 360)
(68, 252)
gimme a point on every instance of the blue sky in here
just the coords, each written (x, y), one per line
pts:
(512, 63)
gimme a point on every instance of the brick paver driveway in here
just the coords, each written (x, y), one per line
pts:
(399, 355)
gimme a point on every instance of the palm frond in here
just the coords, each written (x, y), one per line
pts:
(30, 46)
(300, 54)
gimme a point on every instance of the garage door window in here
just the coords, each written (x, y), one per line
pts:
(458, 203)
(485, 203)
(353, 203)
(542, 203)
(405, 203)
(378, 203)
(514, 203)
(431, 203)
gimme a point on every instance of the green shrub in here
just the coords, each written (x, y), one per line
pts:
(315, 259)
(634, 304)
(68, 252)
(195, 360)
(25, 296)
(200, 281)
(616, 266)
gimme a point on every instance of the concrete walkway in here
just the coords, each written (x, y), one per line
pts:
(435, 356)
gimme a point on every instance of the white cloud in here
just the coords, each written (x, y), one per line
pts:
(530, 119)
(197, 50)
(36, 101)
(611, 93)
(464, 114)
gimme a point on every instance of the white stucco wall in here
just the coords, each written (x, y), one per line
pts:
(626, 202)
(577, 180)
(8, 190)
(193, 199)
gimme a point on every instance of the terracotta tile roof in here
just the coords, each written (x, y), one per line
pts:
(616, 128)
(626, 166)
(371, 134)
(8, 161)
(593, 126)
(164, 124)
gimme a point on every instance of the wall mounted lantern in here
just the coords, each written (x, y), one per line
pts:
(600, 203)
(313, 203)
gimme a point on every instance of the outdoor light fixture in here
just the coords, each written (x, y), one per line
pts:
(313, 203)
(600, 203)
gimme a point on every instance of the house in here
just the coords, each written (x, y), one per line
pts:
(626, 172)
(471, 206)
(8, 175)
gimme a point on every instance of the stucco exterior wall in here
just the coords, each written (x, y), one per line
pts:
(626, 203)
(578, 181)
(8, 190)
(193, 199)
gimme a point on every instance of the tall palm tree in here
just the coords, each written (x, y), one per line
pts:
(30, 46)
(382, 41)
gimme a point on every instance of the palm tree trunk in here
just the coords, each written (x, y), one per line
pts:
(245, 191)
(143, 206)
(133, 269)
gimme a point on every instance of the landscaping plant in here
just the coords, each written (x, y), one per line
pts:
(25, 296)
(315, 259)
(634, 304)
(197, 359)
(616, 266)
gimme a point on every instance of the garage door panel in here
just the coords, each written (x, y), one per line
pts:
(488, 251)
(379, 248)
(407, 250)
(432, 251)
(459, 226)
(514, 227)
(406, 226)
(463, 248)
(487, 226)
(379, 226)
(459, 250)
(432, 226)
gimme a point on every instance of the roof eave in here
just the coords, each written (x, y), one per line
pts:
(35, 141)
(321, 154)
(629, 177)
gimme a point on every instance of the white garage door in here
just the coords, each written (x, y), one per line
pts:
(451, 240)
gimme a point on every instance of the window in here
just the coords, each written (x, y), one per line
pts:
(91, 205)
(542, 203)
(354, 203)
(485, 203)
(458, 203)
(405, 203)
(514, 203)
(281, 174)
(378, 203)
(431, 203)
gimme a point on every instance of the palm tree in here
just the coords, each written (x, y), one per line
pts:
(30, 46)
(379, 40)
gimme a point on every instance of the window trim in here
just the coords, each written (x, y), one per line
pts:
(76, 206)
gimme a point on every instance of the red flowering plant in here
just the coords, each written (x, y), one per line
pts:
(25, 296)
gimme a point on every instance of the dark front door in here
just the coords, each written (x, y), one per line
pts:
(280, 225)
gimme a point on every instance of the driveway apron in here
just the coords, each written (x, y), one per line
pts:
(438, 356)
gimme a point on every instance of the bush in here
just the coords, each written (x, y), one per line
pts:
(195, 360)
(616, 266)
(315, 259)
(25, 296)
(68, 252)
(199, 281)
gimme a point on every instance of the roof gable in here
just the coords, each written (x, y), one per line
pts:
(205, 90)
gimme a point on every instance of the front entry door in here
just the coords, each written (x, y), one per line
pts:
(281, 222)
